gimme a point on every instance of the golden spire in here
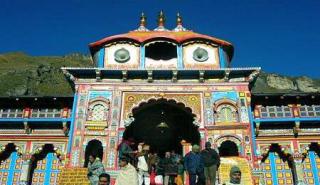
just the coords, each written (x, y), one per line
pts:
(179, 26)
(161, 19)
(143, 23)
(179, 19)
(143, 20)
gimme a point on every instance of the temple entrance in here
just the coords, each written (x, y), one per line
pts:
(163, 124)
(94, 147)
(228, 148)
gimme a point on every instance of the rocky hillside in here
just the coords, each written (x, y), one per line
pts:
(24, 75)
(274, 83)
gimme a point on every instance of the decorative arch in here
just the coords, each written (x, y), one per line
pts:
(189, 102)
(226, 139)
(45, 164)
(10, 163)
(226, 111)
(98, 109)
(235, 139)
(224, 101)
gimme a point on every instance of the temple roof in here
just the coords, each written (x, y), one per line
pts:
(178, 35)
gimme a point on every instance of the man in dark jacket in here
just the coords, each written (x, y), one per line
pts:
(194, 166)
(211, 160)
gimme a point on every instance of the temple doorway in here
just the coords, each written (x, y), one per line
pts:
(163, 124)
(228, 148)
(94, 147)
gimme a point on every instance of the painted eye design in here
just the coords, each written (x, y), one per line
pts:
(122, 55)
(200, 55)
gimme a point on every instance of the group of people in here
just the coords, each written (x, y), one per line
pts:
(150, 169)
(142, 167)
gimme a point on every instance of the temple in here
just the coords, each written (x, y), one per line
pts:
(169, 88)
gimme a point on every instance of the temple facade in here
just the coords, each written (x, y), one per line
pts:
(169, 89)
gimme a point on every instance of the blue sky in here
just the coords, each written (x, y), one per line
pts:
(281, 36)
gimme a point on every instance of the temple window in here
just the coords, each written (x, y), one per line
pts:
(46, 113)
(275, 112)
(309, 111)
(11, 113)
(226, 113)
(98, 113)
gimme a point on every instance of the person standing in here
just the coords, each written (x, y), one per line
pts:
(169, 169)
(211, 160)
(143, 167)
(194, 166)
(125, 150)
(128, 174)
(95, 169)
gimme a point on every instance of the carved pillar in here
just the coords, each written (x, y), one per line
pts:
(257, 128)
(25, 169)
(297, 158)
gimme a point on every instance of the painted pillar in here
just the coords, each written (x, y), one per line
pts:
(180, 57)
(253, 136)
(101, 58)
(272, 158)
(12, 165)
(73, 116)
(25, 170)
(223, 62)
(314, 167)
(48, 168)
(299, 170)
(142, 57)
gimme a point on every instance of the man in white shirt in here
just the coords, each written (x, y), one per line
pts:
(128, 174)
(142, 166)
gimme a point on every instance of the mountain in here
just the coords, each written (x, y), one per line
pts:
(274, 83)
(25, 75)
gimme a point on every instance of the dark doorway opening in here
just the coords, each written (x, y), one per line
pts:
(161, 51)
(93, 147)
(228, 148)
(9, 148)
(315, 147)
(163, 124)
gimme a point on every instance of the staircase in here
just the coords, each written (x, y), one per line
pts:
(73, 176)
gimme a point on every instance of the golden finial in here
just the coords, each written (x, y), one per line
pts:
(179, 26)
(143, 20)
(179, 19)
(161, 19)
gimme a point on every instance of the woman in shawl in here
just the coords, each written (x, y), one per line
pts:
(95, 168)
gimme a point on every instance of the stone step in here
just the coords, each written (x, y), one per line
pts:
(73, 176)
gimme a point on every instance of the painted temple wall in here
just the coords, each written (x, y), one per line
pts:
(122, 99)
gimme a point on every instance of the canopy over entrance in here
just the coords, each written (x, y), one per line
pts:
(163, 124)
